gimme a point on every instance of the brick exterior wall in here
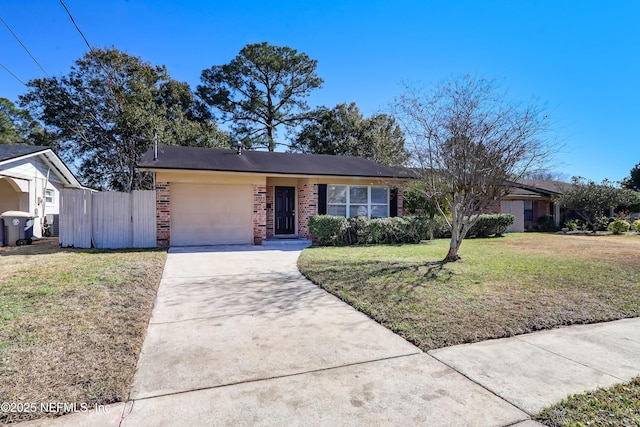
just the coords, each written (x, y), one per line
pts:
(540, 209)
(493, 207)
(163, 214)
(400, 200)
(259, 213)
(307, 207)
(270, 210)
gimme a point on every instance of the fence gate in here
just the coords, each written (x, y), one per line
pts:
(107, 219)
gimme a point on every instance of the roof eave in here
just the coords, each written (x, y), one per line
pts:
(61, 169)
(269, 174)
(22, 157)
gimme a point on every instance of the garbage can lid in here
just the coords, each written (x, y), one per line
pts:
(19, 214)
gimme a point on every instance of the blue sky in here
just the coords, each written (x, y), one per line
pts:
(577, 58)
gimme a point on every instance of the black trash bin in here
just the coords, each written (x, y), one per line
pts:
(17, 228)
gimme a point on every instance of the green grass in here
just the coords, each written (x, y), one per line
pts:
(72, 322)
(505, 286)
(618, 406)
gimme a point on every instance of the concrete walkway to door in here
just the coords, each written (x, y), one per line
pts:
(239, 337)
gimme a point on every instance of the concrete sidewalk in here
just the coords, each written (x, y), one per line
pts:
(239, 337)
(536, 370)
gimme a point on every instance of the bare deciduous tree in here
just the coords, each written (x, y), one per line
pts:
(467, 142)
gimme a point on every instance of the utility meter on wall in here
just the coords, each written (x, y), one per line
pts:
(16, 221)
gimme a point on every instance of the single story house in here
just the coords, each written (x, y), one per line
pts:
(222, 196)
(529, 200)
(31, 178)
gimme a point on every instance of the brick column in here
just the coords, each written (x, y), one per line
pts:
(270, 210)
(307, 207)
(163, 214)
(259, 213)
(400, 200)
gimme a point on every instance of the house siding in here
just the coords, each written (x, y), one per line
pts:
(163, 214)
(22, 185)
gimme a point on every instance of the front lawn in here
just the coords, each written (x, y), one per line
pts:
(72, 323)
(618, 406)
(506, 286)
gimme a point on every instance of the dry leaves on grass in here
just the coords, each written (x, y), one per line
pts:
(506, 286)
(74, 324)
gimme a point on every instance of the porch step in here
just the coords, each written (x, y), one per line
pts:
(279, 242)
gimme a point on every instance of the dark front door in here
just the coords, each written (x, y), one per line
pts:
(285, 210)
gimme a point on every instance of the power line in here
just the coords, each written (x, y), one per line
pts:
(91, 50)
(23, 46)
(14, 76)
(76, 25)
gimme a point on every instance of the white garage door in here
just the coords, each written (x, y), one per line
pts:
(211, 214)
(515, 208)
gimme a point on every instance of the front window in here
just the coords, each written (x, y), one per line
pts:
(528, 210)
(357, 200)
(48, 196)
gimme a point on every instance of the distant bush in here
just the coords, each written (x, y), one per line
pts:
(619, 226)
(329, 229)
(636, 225)
(572, 225)
(601, 223)
(488, 225)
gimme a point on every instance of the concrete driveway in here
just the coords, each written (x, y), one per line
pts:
(239, 337)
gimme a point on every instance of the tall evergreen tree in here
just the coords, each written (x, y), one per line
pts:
(262, 89)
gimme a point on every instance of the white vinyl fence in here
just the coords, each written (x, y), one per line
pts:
(107, 219)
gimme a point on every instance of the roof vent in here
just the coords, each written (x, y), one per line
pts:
(238, 146)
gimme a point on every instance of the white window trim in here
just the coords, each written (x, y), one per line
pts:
(369, 204)
(53, 196)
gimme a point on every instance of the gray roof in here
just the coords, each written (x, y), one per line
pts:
(12, 151)
(546, 187)
(8, 152)
(196, 158)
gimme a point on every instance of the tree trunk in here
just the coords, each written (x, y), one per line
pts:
(452, 255)
(272, 144)
(456, 231)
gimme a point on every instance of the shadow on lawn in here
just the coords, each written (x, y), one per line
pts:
(409, 275)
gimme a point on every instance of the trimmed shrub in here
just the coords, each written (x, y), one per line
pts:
(619, 226)
(546, 223)
(337, 230)
(572, 225)
(409, 229)
(329, 229)
(636, 225)
(488, 225)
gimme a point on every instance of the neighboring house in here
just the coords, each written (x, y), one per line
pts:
(31, 178)
(213, 196)
(529, 200)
